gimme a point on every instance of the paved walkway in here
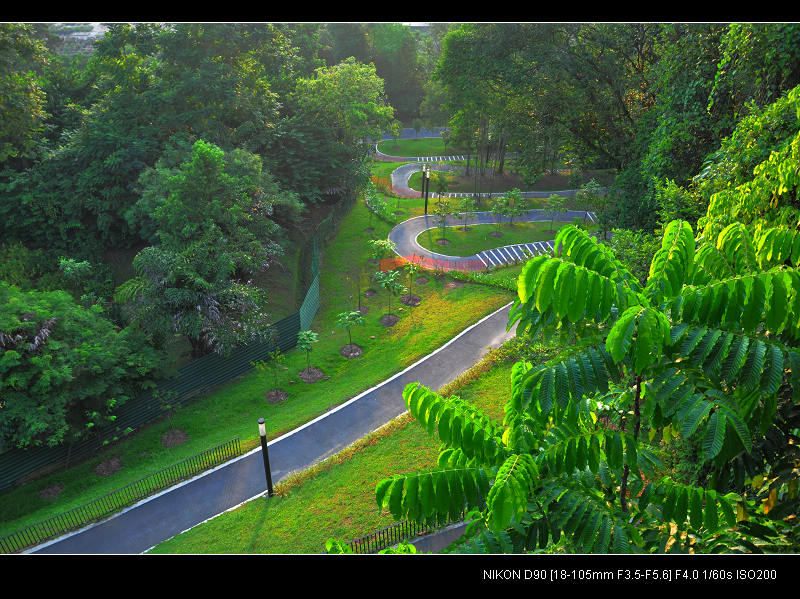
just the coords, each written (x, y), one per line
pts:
(163, 516)
(406, 233)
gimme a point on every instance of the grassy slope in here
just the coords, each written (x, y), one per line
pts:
(232, 410)
(337, 498)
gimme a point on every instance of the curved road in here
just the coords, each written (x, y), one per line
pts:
(158, 518)
(405, 234)
(171, 512)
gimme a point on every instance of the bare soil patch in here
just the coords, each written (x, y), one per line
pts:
(389, 320)
(409, 299)
(276, 396)
(362, 310)
(442, 241)
(369, 230)
(351, 350)
(370, 293)
(174, 437)
(421, 280)
(109, 466)
(453, 284)
(311, 375)
(495, 234)
(51, 491)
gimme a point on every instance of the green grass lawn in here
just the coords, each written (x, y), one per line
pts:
(233, 409)
(510, 179)
(422, 146)
(483, 237)
(336, 499)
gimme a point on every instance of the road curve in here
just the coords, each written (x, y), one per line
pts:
(405, 234)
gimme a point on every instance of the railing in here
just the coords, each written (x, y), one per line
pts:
(392, 535)
(121, 498)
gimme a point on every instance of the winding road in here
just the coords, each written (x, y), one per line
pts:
(162, 516)
(406, 233)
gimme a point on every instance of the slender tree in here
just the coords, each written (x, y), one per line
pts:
(347, 320)
(305, 342)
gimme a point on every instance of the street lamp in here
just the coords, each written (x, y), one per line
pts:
(262, 430)
(426, 177)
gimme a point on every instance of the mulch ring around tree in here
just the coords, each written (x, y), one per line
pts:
(421, 280)
(410, 299)
(174, 437)
(109, 467)
(311, 375)
(276, 396)
(351, 350)
(51, 491)
(370, 293)
(389, 320)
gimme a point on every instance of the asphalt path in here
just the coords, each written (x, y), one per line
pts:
(171, 512)
(405, 234)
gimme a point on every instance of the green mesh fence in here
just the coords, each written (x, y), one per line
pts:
(194, 380)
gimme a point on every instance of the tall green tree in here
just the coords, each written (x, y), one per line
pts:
(65, 368)
(192, 291)
(22, 101)
(657, 356)
(226, 195)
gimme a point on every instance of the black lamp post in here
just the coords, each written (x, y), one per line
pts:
(262, 430)
(426, 177)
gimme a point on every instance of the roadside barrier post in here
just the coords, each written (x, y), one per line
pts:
(262, 431)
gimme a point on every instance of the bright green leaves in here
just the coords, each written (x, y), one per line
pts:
(776, 246)
(581, 285)
(443, 493)
(736, 244)
(579, 248)
(508, 497)
(714, 436)
(456, 423)
(769, 299)
(698, 507)
(639, 333)
(562, 383)
(742, 362)
(672, 264)
(527, 275)
(545, 283)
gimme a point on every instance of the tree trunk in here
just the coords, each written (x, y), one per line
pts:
(623, 489)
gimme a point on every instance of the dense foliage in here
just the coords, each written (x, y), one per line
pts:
(64, 368)
(145, 186)
(705, 350)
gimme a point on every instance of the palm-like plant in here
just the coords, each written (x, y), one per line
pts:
(701, 350)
